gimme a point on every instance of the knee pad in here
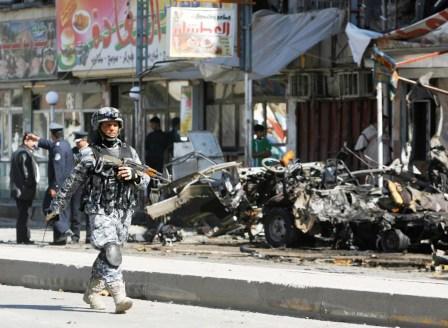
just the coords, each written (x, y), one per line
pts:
(113, 254)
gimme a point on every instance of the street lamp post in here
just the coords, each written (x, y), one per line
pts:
(52, 98)
(134, 94)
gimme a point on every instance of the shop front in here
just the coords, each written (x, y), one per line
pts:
(27, 58)
(224, 114)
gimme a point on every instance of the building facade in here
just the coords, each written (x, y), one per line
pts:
(314, 105)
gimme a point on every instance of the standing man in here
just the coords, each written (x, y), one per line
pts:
(23, 179)
(112, 196)
(80, 150)
(261, 147)
(173, 136)
(60, 164)
(156, 143)
(367, 144)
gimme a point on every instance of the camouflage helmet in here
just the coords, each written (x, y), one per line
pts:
(106, 114)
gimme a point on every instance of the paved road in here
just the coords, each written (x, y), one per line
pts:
(23, 308)
(227, 249)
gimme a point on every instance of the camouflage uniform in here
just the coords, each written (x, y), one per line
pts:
(109, 204)
(109, 222)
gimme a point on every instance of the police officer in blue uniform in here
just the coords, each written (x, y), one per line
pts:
(80, 150)
(60, 165)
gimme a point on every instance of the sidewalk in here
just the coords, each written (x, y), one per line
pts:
(360, 296)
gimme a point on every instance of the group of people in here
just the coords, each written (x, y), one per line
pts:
(109, 195)
(24, 178)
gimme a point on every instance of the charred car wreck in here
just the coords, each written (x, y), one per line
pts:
(325, 202)
(322, 203)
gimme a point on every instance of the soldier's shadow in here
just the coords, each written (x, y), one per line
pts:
(48, 308)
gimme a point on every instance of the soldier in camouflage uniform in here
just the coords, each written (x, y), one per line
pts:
(109, 205)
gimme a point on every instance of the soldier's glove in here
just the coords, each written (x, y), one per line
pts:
(51, 216)
(128, 174)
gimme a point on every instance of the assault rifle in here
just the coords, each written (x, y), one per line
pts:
(140, 168)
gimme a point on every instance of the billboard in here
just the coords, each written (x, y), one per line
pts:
(201, 32)
(101, 34)
(28, 49)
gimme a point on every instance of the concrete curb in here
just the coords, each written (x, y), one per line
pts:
(336, 297)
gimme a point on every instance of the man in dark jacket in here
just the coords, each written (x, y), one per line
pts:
(23, 179)
(156, 143)
(60, 165)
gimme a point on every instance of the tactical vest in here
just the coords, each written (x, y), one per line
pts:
(106, 191)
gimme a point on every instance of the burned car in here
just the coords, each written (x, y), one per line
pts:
(309, 203)
(201, 187)
(323, 202)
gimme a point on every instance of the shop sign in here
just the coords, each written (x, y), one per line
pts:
(186, 110)
(201, 32)
(28, 49)
(101, 34)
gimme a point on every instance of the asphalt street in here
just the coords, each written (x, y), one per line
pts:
(24, 308)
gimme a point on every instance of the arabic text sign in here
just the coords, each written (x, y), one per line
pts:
(201, 32)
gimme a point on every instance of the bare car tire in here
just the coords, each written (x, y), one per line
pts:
(279, 227)
(394, 240)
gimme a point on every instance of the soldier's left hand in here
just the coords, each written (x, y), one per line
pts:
(126, 173)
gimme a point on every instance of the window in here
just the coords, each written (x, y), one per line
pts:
(225, 113)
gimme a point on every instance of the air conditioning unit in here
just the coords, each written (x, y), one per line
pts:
(305, 85)
(355, 84)
(300, 85)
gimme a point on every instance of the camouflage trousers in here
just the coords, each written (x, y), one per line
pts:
(112, 228)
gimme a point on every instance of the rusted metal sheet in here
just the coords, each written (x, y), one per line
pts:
(324, 126)
(303, 134)
(335, 138)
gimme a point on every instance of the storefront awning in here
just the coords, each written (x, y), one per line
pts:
(429, 32)
(277, 40)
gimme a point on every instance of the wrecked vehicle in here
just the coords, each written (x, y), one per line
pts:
(308, 203)
(201, 179)
(324, 203)
(302, 200)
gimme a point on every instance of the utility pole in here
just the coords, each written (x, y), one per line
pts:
(246, 66)
(379, 128)
(140, 66)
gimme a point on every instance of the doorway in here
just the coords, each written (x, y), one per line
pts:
(423, 117)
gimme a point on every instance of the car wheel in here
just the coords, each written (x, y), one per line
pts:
(394, 240)
(279, 227)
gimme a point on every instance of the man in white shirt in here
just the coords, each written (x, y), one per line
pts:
(367, 144)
